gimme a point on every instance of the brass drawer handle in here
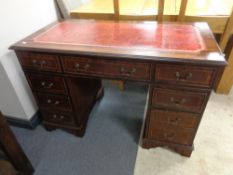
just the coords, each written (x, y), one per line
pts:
(47, 86)
(169, 136)
(173, 121)
(57, 102)
(78, 67)
(49, 101)
(55, 116)
(177, 102)
(126, 72)
(183, 77)
(38, 63)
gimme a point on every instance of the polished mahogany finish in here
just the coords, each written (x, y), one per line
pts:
(45, 83)
(184, 137)
(108, 68)
(179, 99)
(36, 61)
(59, 117)
(185, 75)
(173, 119)
(179, 62)
(49, 101)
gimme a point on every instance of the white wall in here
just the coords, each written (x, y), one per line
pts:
(17, 20)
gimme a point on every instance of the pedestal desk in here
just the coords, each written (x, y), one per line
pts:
(65, 62)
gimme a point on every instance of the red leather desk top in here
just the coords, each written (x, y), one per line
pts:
(175, 37)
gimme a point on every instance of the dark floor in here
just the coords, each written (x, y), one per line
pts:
(109, 146)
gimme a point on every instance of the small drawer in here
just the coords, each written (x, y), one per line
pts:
(106, 68)
(181, 100)
(61, 102)
(39, 61)
(173, 119)
(58, 117)
(184, 137)
(187, 75)
(44, 83)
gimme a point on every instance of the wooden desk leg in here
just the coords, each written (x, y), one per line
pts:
(182, 150)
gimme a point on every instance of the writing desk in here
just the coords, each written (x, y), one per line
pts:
(65, 62)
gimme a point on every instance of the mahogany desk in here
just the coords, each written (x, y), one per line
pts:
(65, 62)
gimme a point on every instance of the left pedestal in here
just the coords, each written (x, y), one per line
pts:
(64, 101)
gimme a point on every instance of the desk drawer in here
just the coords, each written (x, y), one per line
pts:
(173, 119)
(58, 117)
(37, 61)
(44, 83)
(187, 75)
(60, 102)
(178, 99)
(184, 137)
(106, 68)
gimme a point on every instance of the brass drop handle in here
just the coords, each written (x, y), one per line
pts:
(173, 121)
(34, 61)
(40, 63)
(77, 66)
(177, 102)
(85, 67)
(126, 72)
(44, 85)
(185, 77)
(55, 116)
(169, 136)
(49, 101)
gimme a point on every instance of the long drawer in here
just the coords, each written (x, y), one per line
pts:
(39, 61)
(180, 120)
(186, 75)
(179, 99)
(51, 101)
(106, 68)
(184, 137)
(45, 83)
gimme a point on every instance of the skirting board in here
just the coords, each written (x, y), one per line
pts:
(28, 124)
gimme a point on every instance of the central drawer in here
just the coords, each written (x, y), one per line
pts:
(179, 99)
(106, 68)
